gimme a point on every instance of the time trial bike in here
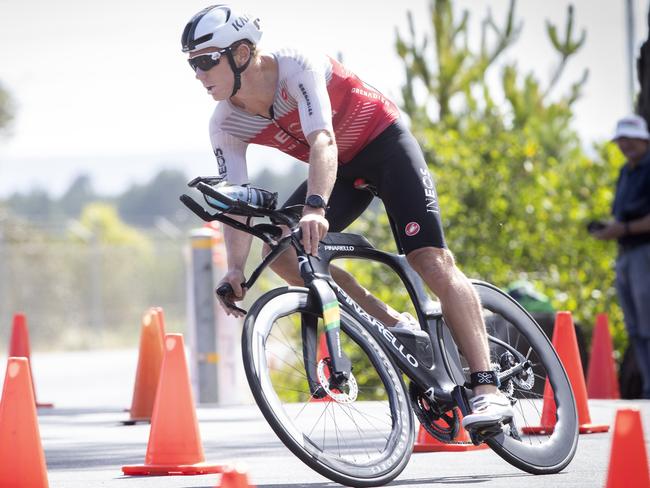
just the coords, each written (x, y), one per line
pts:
(330, 379)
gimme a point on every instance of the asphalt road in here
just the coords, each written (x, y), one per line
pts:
(86, 445)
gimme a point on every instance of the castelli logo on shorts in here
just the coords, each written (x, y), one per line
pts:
(412, 228)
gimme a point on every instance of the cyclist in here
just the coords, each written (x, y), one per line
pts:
(314, 109)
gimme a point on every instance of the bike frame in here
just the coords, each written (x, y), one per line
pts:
(433, 364)
(442, 382)
(438, 381)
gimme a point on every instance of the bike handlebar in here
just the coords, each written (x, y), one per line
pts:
(226, 293)
(269, 233)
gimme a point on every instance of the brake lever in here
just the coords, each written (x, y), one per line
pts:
(225, 292)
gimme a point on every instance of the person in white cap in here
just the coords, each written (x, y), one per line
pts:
(631, 228)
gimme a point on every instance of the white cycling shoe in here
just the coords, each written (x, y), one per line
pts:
(487, 410)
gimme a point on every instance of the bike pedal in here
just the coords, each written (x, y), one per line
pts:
(474, 437)
(481, 434)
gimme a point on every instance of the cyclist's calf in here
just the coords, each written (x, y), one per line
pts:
(460, 304)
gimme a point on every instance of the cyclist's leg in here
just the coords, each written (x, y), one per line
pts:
(407, 189)
(345, 205)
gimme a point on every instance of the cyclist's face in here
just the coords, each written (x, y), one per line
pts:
(217, 80)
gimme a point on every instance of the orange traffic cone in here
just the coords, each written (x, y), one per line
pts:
(602, 381)
(628, 461)
(234, 477)
(161, 320)
(323, 353)
(174, 440)
(148, 371)
(22, 462)
(19, 347)
(427, 443)
(566, 345)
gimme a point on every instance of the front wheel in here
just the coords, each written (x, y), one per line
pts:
(360, 435)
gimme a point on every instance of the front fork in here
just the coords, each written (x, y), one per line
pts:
(339, 364)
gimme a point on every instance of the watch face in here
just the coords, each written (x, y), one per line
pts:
(315, 201)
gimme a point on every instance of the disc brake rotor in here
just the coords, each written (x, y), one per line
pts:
(525, 379)
(336, 394)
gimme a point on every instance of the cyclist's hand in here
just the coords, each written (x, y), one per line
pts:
(235, 278)
(314, 226)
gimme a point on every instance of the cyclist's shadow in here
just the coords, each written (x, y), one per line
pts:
(413, 482)
(459, 480)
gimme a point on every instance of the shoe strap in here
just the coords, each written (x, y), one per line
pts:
(479, 378)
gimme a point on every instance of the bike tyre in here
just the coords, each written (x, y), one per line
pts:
(550, 457)
(288, 300)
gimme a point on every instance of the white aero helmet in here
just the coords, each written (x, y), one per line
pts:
(219, 26)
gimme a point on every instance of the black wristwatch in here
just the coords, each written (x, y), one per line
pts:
(315, 201)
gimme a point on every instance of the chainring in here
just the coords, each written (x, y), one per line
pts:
(441, 425)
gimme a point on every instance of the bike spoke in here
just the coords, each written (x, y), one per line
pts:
(356, 425)
(364, 416)
(291, 366)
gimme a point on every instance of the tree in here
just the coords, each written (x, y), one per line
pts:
(6, 108)
(643, 75)
(36, 206)
(514, 184)
(105, 226)
(142, 204)
(79, 194)
(114, 267)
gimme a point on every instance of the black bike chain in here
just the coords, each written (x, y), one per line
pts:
(428, 414)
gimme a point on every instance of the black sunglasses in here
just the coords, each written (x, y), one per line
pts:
(207, 61)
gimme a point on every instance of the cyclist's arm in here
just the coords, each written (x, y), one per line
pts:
(309, 88)
(323, 163)
(238, 246)
(230, 153)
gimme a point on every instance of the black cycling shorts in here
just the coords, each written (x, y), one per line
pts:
(393, 163)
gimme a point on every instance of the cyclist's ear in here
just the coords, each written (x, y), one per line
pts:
(243, 52)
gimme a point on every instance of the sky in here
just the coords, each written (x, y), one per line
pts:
(102, 88)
